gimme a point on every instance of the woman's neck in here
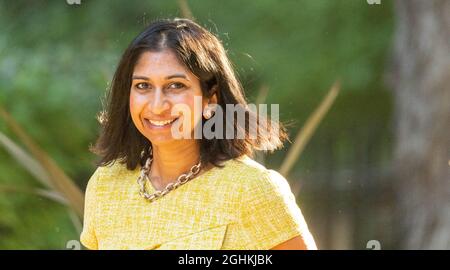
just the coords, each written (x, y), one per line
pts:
(172, 160)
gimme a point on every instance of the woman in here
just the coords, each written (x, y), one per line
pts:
(156, 186)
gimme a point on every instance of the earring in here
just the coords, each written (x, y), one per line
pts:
(207, 114)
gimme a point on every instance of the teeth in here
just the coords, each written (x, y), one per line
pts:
(161, 123)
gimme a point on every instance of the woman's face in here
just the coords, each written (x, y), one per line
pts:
(159, 82)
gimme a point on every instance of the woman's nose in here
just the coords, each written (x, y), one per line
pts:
(159, 104)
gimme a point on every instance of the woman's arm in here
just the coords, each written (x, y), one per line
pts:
(296, 243)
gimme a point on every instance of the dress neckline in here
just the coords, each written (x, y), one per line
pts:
(201, 175)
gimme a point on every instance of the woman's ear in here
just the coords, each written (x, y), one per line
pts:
(212, 99)
(215, 93)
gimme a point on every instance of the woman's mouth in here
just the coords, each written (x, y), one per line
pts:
(159, 123)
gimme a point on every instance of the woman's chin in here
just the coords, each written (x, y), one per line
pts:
(161, 139)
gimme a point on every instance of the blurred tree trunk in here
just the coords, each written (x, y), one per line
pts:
(421, 80)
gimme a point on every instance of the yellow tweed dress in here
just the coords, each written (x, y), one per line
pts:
(241, 206)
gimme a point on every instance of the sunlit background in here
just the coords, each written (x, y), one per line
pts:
(370, 157)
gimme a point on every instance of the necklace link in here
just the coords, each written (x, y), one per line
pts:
(182, 179)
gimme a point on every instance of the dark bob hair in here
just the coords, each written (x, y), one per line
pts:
(203, 54)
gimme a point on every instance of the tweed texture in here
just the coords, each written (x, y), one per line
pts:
(240, 206)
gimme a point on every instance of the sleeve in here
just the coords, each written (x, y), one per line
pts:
(87, 237)
(270, 214)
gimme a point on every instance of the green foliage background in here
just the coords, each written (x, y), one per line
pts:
(56, 61)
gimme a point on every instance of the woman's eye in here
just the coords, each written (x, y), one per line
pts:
(176, 86)
(142, 85)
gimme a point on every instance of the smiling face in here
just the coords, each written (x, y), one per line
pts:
(160, 82)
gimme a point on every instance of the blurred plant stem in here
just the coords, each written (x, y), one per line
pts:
(305, 133)
(185, 10)
(41, 165)
(52, 195)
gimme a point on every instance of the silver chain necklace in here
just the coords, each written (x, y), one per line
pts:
(182, 179)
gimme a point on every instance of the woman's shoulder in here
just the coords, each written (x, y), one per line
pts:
(256, 177)
(113, 170)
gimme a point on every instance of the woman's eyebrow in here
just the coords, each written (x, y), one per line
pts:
(177, 76)
(139, 77)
